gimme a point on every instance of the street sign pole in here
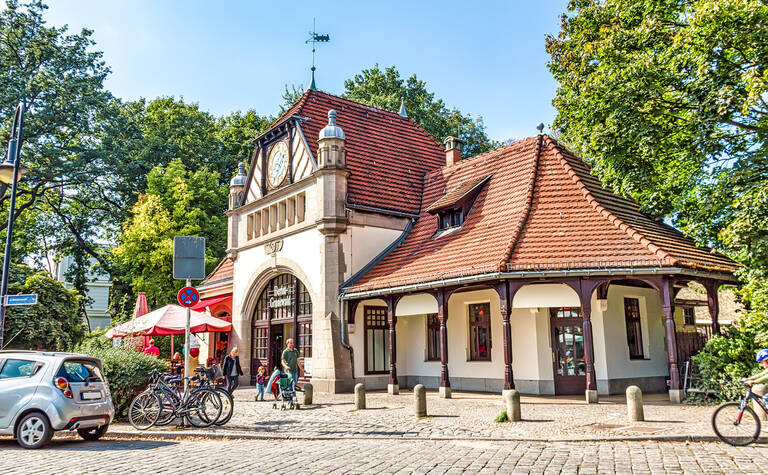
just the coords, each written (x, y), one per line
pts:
(186, 346)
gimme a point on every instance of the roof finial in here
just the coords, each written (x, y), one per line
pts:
(402, 112)
(540, 127)
(315, 38)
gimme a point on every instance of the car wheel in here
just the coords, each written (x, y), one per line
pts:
(34, 431)
(94, 433)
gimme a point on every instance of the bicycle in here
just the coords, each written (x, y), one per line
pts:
(736, 423)
(160, 404)
(208, 380)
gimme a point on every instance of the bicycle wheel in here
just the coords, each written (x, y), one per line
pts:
(734, 426)
(168, 413)
(144, 410)
(204, 406)
(227, 406)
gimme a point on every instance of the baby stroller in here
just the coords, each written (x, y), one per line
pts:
(283, 387)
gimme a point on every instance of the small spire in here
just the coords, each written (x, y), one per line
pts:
(402, 112)
(540, 127)
(312, 86)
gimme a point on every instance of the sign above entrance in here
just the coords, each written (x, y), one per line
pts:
(281, 297)
(188, 296)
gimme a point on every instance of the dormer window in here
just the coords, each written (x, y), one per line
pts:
(450, 218)
(454, 206)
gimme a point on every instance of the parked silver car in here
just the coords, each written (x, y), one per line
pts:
(42, 392)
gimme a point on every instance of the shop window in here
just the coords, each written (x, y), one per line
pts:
(689, 316)
(634, 328)
(433, 338)
(305, 339)
(376, 340)
(480, 332)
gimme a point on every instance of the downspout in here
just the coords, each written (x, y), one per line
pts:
(344, 341)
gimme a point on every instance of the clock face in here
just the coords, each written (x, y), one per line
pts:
(277, 165)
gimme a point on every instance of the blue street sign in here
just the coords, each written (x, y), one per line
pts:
(21, 299)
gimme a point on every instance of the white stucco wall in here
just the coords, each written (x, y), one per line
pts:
(363, 243)
(613, 358)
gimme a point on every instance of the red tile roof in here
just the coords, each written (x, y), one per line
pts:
(541, 208)
(457, 194)
(223, 271)
(387, 155)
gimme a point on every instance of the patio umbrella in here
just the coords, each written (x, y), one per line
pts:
(141, 308)
(170, 320)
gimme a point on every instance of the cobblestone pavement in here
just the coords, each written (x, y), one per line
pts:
(70, 455)
(467, 415)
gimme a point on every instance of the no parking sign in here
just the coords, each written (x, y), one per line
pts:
(188, 296)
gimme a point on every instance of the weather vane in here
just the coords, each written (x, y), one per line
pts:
(314, 38)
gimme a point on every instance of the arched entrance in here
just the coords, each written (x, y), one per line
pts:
(283, 311)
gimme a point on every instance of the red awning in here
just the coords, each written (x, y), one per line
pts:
(201, 305)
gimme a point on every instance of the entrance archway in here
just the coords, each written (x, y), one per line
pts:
(283, 310)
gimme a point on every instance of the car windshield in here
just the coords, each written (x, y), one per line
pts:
(80, 372)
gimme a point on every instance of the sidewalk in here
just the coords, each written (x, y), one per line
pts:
(465, 416)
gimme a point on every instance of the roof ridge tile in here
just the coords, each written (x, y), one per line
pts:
(528, 205)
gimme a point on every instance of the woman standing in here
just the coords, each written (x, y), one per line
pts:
(232, 370)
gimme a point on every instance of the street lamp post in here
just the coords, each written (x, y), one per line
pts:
(10, 171)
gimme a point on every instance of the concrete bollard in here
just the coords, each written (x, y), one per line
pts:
(308, 394)
(512, 401)
(359, 396)
(419, 400)
(635, 404)
(759, 390)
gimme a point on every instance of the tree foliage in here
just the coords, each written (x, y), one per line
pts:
(177, 202)
(385, 89)
(54, 323)
(667, 99)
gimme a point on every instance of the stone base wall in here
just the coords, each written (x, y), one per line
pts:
(648, 384)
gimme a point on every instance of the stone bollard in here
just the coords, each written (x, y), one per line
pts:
(512, 401)
(759, 390)
(635, 404)
(359, 396)
(308, 393)
(419, 400)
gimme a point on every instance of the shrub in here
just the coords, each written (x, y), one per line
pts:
(502, 417)
(127, 371)
(728, 358)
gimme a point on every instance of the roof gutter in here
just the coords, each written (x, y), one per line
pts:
(375, 209)
(596, 272)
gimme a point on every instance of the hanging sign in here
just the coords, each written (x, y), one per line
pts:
(188, 296)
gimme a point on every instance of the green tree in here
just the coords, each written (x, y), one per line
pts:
(385, 89)
(667, 100)
(54, 323)
(178, 202)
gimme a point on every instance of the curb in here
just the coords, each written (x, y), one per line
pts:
(193, 435)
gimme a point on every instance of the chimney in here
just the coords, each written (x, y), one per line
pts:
(452, 150)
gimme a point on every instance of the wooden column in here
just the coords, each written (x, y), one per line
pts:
(393, 387)
(585, 288)
(668, 306)
(507, 290)
(713, 303)
(442, 317)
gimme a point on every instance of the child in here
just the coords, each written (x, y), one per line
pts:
(261, 382)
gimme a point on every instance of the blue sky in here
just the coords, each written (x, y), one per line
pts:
(486, 58)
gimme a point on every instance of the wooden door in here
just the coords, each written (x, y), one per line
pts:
(568, 350)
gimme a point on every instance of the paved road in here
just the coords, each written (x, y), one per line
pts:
(68, 455)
